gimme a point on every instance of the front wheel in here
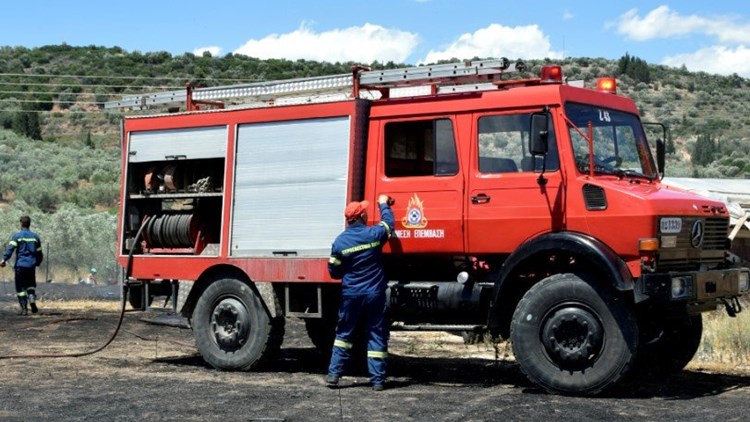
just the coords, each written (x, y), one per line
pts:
(232, 329)
(673, 347)
(571, 335)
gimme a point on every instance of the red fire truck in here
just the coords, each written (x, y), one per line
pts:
(531, 208)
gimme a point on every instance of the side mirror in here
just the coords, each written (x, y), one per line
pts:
(539, 131)
(660, 147)
(660, 154)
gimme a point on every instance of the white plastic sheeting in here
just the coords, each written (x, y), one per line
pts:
(735, 193)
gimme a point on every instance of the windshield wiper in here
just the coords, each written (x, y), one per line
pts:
(631, 173)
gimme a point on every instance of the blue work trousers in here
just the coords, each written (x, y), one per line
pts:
(371, 307)
(25, 284)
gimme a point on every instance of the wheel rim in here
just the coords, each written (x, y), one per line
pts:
(230, 324)
(572, 336)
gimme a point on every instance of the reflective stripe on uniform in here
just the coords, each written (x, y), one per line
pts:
(342, 344)
(387, 227)
(27, 239)
(377, 354)
(13, 243)
(334, 261)
(358, 248)
(21, 294)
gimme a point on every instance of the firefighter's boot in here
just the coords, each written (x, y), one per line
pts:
(24, 307)
(32, 303)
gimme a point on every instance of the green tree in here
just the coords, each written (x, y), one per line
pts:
(704, 150)
(26, 123)
(669, 147)
(86, 139)
(634, 67)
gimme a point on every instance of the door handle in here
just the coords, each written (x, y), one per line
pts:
(482, 198)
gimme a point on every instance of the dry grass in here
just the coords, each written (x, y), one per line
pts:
(82, 305)
(726, 340)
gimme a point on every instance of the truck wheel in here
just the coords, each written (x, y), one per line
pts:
(135, 297)
(232, 329)
(673, 348)
(322, 332)
(573, 336)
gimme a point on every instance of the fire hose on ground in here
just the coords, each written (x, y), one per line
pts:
(112, 337)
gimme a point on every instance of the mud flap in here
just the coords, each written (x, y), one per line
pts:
(183, 292)
(268, 295)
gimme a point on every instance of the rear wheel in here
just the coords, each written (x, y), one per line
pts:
(135, 297)
(571, 335)
(673, 347)
(322, 332)
(232, 329)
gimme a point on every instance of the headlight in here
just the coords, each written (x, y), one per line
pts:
(744, 282)
(682, 287)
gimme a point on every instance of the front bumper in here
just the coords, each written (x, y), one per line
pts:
(694, 287)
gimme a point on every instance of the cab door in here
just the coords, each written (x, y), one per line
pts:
(507, 201)
(419, 168)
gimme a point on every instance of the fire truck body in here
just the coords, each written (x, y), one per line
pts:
(533, 209)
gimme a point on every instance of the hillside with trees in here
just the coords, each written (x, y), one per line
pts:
(59, 149)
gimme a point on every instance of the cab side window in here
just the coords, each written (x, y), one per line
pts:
(503, 145)
(420, 148)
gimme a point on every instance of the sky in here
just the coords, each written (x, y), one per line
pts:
(710, 36)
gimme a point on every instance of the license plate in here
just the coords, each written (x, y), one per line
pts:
(670, 225)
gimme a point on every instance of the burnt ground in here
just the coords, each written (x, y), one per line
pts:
(152, 372)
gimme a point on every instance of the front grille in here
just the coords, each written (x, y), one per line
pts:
(686, 257)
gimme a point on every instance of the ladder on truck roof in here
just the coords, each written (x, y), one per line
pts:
(443, 78)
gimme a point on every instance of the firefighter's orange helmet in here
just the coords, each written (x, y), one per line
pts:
(355, 209)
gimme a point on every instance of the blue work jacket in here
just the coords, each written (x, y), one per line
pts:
(28, 249)
(357, 255)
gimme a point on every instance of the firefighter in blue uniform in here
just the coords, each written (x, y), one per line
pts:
(28, 250)
(356, 258)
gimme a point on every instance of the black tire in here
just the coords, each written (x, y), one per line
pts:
(232, 328)
(135, 297)
(573, 336)
(673, 347)
(322, 332)
(135, 293)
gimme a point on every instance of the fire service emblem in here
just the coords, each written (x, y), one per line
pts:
(414, 218)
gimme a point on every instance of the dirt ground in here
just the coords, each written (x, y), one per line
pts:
(152, 372)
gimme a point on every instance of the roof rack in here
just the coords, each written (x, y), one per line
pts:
(442, 78)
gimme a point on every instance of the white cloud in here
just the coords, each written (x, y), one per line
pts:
(364, 44)
(212, 49)
(717, 59)
(568, 15)
(528, 42)
(663, 22)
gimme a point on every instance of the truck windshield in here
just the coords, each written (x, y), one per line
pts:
(620, 146)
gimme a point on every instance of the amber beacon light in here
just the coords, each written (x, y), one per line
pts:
(607, 85)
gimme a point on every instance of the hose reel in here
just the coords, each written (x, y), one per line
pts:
(171, 231)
